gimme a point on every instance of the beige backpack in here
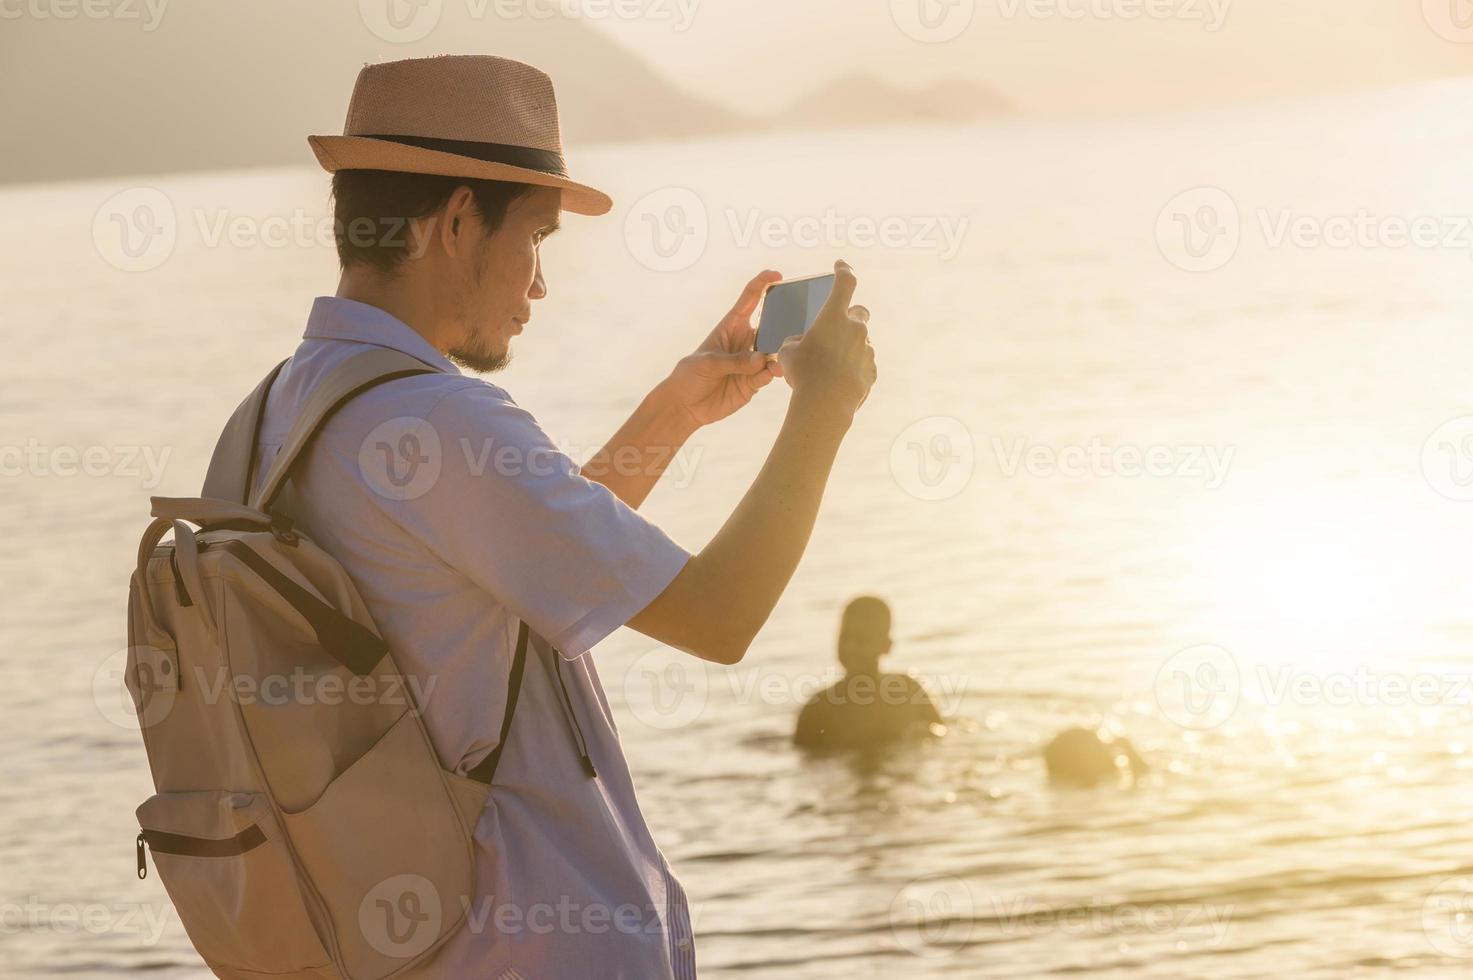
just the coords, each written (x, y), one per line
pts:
(303, 825)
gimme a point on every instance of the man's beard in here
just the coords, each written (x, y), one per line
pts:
(482, 362)
(467, 355)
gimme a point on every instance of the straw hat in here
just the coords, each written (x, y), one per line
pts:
(459, 116)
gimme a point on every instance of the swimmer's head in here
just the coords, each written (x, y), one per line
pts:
(864, 635)
(1081, 757)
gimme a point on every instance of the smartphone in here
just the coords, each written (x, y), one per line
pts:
(789, 308)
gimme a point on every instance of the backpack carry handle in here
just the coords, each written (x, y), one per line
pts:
(206, 511)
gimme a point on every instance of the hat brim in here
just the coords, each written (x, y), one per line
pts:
(365, 153)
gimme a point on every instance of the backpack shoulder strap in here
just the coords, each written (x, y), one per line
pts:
(357, 374)
(229, 476)
(486, 770)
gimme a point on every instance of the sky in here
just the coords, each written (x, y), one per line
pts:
(1058, 56)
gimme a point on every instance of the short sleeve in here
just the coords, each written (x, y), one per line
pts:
(511, 512)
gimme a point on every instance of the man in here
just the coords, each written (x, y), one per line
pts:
(867, 708)
(457, 517)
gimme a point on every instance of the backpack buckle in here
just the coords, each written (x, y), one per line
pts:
(281, 530)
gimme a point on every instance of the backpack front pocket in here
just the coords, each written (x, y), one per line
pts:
(388, 847)
(232, 881)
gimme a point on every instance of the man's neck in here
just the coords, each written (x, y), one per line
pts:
(397, 297)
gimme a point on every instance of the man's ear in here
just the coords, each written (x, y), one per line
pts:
(455, 226)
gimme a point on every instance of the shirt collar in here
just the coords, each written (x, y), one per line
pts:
(336, 318)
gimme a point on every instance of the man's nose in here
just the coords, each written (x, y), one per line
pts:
(539, 285)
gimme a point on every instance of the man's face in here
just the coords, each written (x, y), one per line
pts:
(500, 276)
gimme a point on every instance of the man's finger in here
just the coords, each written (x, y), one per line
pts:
(844, 284)
(752, 293)
(743, 362)
(860, 313)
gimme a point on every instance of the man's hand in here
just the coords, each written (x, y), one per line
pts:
(720, 599)
(724, 372)
(833, 360)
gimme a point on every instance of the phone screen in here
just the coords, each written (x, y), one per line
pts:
(789, 308)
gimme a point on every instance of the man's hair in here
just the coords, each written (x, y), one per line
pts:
(373, 211)
(865, 622)
(866, 615)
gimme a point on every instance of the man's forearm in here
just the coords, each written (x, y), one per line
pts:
(715, 607)
(636, 457)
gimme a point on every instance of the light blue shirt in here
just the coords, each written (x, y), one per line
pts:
(456, 517)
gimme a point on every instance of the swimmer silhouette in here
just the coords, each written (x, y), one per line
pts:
(1080, 757)
(867, 708)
